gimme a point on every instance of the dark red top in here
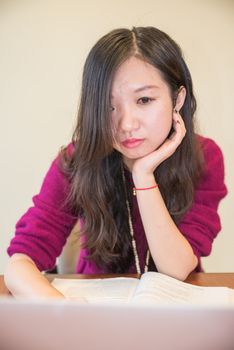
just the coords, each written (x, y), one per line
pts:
(42, 231)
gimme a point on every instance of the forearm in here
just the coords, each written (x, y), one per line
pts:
(171, 252)
(23, 279)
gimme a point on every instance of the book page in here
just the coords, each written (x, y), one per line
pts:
(159, 288)
(118, 289)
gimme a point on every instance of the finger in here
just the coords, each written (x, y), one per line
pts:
(179, 125)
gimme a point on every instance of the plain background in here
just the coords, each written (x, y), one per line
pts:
(43, 45)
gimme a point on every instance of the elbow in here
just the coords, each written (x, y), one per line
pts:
(9, 275)
(181, 275)
(14, 269)
(182, 272)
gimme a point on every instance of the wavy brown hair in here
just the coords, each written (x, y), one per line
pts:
(94, 167)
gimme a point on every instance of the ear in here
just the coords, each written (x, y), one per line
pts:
(180, 98)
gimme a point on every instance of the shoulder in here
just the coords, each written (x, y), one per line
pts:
(65, 153)
(69, 149)
(63, 157)
(56, 183)
(213, 159)
(209, 147)
(213, 172)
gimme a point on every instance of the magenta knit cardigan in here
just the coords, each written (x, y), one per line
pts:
(42, 231)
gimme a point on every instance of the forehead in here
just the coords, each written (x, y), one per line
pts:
(134, 73)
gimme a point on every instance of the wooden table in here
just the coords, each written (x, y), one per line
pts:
(199, 279)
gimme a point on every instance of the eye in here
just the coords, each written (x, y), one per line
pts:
(145, 100)
(111, 108)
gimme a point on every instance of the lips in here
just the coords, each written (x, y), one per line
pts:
(132, 143)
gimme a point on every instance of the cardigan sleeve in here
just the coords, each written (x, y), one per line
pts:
(42, 231)
(201, 223)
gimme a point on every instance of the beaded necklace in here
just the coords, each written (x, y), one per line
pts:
(134, 248)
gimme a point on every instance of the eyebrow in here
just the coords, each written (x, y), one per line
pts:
(142, 88)
(146, 87)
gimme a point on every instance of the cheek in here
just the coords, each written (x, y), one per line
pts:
(115, 136)
(160, 129)
(166, 126)
(162, 124)
(114, 128)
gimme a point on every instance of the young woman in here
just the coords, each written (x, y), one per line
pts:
(144, 186)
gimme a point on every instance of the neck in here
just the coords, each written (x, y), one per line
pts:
(128, 163)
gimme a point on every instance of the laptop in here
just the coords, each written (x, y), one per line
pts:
(67, 325)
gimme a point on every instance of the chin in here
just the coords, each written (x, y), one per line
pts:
(135, 156)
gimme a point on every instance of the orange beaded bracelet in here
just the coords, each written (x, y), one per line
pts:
(143, 189)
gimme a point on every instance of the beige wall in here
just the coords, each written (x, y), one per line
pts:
(42, 49)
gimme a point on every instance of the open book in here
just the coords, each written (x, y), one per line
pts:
(153, 287)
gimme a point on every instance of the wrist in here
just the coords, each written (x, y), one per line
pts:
(140, 189)
(143, 180)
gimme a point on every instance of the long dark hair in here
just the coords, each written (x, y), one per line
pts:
(94, 168)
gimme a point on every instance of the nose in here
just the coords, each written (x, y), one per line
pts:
(128, 120)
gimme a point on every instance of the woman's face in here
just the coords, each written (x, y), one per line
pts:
(141, 109)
